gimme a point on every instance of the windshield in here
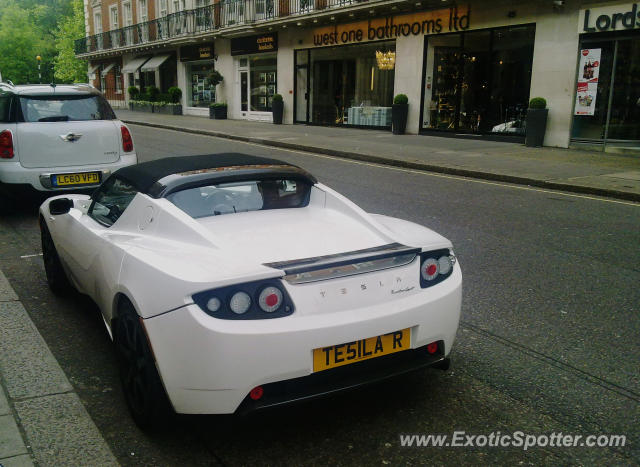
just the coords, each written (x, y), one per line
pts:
(65, 108)
(229, 198)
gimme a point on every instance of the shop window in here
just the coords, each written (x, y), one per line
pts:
(263, 73)
(610, 111)
(199, 92)
(351, 85)
(478, 82)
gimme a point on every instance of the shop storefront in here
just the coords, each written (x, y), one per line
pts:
(256, 69)
(345, 85)
(160, 71)
(607, 108)
(199, 63)
(478, 82)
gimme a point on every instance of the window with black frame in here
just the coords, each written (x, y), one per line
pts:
(478, 81)
(111, 200)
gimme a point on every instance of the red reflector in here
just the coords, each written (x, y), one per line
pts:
(432, 348)
(271, 300)
(127, 141)
(256, 393)
(6, 145)
(432, 269)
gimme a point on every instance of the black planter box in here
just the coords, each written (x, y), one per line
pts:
(536, 127)
(277, 107)
(141, 107)
(218, 113)
(399, 113)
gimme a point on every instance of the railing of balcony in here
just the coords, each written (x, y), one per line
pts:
(226, 13)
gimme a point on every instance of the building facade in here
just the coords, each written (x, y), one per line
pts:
(467, 68)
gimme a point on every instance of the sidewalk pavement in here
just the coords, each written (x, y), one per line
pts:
(42, 420)
(589, 172)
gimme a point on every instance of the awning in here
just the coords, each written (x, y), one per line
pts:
(93, 69)
(107, 69)
(154, 63)
(134, 64)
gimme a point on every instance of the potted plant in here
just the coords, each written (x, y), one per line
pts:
(175, 94)
(151, 93)
(218, 110)
(277, 108)
(134, 95)
(215, 78)
(399, 113)
(536, 122)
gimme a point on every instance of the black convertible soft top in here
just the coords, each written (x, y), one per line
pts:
(161, 177)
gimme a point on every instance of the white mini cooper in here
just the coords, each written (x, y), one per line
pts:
(56, 138)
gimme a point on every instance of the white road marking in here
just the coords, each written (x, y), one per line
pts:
(31, 256)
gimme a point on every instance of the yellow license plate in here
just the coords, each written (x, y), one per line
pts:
(86, 178)
(364, 349)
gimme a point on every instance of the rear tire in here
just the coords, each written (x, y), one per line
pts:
(56, 277)
(141, 383)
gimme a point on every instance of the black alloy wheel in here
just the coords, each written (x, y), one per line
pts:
(141, 384)
(56, 277)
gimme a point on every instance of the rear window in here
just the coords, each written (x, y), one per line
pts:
(229, 198)
(65, 108)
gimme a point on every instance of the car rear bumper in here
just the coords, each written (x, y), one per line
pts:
(209, 365)
(326, 383)
(14, 175)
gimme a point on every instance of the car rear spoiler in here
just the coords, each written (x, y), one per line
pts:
(320, 268)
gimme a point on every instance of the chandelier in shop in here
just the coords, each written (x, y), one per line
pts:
(386, 60)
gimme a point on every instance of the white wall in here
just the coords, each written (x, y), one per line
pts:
(226, 91)
(555, 59)
(286, 72)
(408, 77)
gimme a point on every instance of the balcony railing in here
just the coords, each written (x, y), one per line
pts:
(227, 13)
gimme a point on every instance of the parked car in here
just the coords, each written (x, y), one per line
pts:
(231, 283)
(57, 138)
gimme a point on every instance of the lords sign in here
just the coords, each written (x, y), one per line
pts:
(610, 18)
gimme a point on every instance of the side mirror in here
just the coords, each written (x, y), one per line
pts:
(60, 206)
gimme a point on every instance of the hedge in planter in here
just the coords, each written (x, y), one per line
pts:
(277, 108)
(141, 106)
(399, 113)
(536, 122)
(218, 110)
(167, 108)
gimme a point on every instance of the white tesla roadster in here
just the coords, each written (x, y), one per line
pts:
(231, 283)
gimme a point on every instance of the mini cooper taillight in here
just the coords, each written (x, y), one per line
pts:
(435, 267)
(6, 145)
(127, 140)
(253, 300)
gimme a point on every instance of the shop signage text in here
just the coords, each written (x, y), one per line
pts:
(429, 22)
(196, 52)
(254, 44)
(607, 21)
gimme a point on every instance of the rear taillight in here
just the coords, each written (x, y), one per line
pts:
(435, 267)
(6, 145)
(252, 300)
(127, 141)
(270, 299)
